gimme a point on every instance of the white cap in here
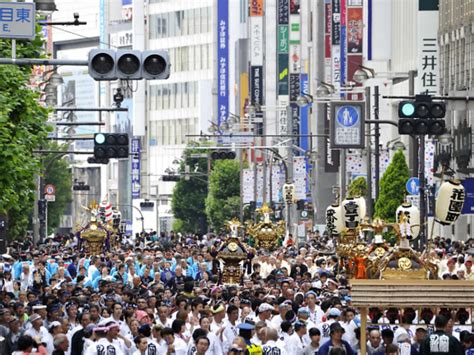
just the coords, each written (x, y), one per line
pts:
(265, 307)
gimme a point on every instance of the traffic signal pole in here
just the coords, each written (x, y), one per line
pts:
(421, 177)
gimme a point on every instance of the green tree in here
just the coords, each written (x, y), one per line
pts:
(59, 174)
(22, 130)
(223, 199)
(189, 196)
(392, 186)
(358, 187)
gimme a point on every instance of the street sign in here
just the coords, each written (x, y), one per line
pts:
(468, 207)
(240, 138)
(49, 189)
(50, 198)
(17, 20)
(414, 200)
(413, 186)
(348, 124)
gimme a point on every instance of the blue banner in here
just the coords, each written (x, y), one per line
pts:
(135, 168)
(304, 110)
(468, 207)
(343, 44)
(304, 125)
(222, 61)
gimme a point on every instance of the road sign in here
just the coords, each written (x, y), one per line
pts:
(348, 122)
(17, 20)
(468, 207)
(50, 198)
(240, 138)
(414, 200)
(50, 189)
(413, 186)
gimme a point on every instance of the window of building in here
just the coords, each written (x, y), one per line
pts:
(180, 23)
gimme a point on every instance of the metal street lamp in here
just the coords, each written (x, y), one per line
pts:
(304, 100)
(361, 75)
(325, 89)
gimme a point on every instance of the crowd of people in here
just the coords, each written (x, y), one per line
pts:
(164, 295)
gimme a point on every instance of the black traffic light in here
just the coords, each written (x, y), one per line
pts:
(81, 187)
(110, 145)
(94, 160)
(147, 204)
(42, 209)
(222, 155)
(171, 178)
(107, 64)
(422, 116)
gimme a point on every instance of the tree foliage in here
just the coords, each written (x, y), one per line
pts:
(392, 186)
(358, 187)
(22, 129)
(58, 173)
(223, 200)
(189, 196)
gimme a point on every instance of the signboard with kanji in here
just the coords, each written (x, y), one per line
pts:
(347, 124)
(17, 20)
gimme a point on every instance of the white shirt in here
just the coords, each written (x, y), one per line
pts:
(274, 348)
(180, 346)
(103, 346)
(41, 334)
(295, 345)
(276, 321)
(229, 333)
(324, 328)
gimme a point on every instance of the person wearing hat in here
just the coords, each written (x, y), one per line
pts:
(54, 329)
(296, 342)
(336, 332)
(332, 317)
(218, 312)
(264, 313)
(13, 335)
(246, 331)
(419, 337)
(276, 321)
(37, 330)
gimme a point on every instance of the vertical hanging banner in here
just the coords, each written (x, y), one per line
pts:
(283, 50)
(327, 41)
(354, 36)
(135, 160)
(295, 68)
(256, 53)
(222, 60)
(428, 57)
(336, 43)
(343, 43)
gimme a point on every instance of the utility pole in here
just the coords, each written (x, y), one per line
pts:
(377, 142)
(289, 180)
(368, 110)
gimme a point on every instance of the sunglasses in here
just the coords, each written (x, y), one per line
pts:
(237, 350)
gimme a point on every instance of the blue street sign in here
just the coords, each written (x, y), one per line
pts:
(347, 116)
(17, 20)
(468, 207)
(413, 186)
